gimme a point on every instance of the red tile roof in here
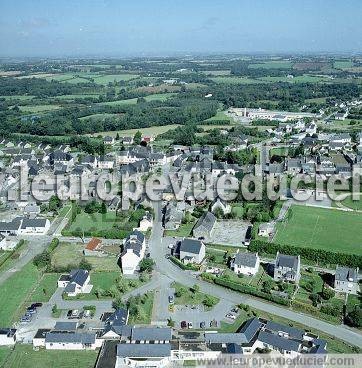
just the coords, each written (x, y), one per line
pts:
(93, 244)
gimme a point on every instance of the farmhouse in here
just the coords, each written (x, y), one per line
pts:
(346, 280)
(287, 268)
(192, 251)
(245, 263)
(7, 336)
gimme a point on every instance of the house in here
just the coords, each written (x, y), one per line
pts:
(39, 337)
(10, 228)
(294, 166)
(287, 268)
(266, 229)
(60, 157)
(146, 222)
(31, 210)
(341, 115)
(221, 205)
(59, 340)
(204, 226)
(159, 335)
(245, 263)
(7, 243)
(89, 160)
(126, 140)
(93, 248)
(346, 280)
(114, 203)
(173, 215)
(7, 336)
(34, 226)
(105, 162)
(133, 252)
(108, 140)
(77, 282)
(191, 251)
(344, 138)
(115, 324)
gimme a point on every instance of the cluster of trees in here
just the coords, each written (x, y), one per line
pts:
(320, 256)
(43, 260)
(94, 207)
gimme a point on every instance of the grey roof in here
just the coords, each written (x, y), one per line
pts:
(143, 350)
(118, 318)
(191, 246)
(37, 222)
(79, 276)
(278, 342)
(346, 274)
(250, 328)
(207, 221)
(70, 337)
(65, 326)
(246, 259)
(11, 226)
(134, 242)
(287, 261)
(225, 338)
(277, 327)
(151, 333)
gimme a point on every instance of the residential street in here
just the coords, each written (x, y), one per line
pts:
(158, 249)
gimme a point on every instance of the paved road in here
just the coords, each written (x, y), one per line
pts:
(158, 251)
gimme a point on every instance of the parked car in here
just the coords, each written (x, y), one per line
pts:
(37, 305)
(183, 324)
(171, 299)
(202, 325)
(30, 310)
(189, 325)
(235, 310)
(231, 316)
(25, 320)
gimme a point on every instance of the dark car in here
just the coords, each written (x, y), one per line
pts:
(36, 305)
(184, 324)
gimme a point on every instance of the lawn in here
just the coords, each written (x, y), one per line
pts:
(220, 115)
(321, 228)
(145, 311)
(72, 253)
(14, 291)
(355, 205)
(191, 297)
(98, 221)
(45, 288)
(236, 80)
(23, 356)
(183, 231)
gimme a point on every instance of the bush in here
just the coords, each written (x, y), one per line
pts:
(331, 310)
(85, 265)
(184, 266)
(327, 293)
(147, 265)
(354, 318)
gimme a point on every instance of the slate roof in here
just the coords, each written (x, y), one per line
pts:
(191, 246)
(278, 341)
(277, 327)
(11, 226)
(246, 259)
(65, 326)
(250, 328)
(134, 242)
(151, 333)
(143, 350)
(345, 274)
(225, 338)
(79, 276)
(70, 337)
(286, 261)
(206, 221)
(118, 318)
(37, 222)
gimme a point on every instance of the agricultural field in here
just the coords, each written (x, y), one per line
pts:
(236, 80)
(23, 356)
(34, 109)
(343, 64)
(350, 203)
(17, 97)
(321, 228)
(220, 115)
(100, 221)
(299, 79)
(133, 101)
(105, 79)
(272, 64)
(152, 131)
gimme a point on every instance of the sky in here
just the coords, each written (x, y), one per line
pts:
(48, 28)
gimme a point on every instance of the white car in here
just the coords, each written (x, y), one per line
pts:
(231, 316)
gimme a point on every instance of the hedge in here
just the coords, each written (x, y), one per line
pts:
(316, 255)
(247, 289)
(184, 266)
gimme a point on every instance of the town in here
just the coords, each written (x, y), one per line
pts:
(169, 209)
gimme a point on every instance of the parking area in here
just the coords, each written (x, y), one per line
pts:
(229, 232)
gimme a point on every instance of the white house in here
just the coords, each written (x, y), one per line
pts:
(245, 263)
(287, 268)
(59, 340)
(146, 222)
(133, 252)
(221, 204)
(7, 336)
(7, 243)
(105, 162)
(77, 282)
(36, 226)
(311, 128)
(192, 251)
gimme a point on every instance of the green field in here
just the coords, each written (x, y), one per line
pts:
(39, 108)
(235, 80)
(355, 205)
(343, 64)
(220, 115)
(14, 291)
(17, 97)
(23, 356)
(73, 97)
(273, 64)
(72, 253)
(105, 79)
(45, 288)
(299, 79)
(97, 221)
(133, 101)
(321, 228)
